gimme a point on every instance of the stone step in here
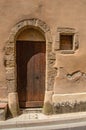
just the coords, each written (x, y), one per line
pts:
(32, 110)
(3, 111)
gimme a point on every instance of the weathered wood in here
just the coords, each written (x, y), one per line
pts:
(31, 73)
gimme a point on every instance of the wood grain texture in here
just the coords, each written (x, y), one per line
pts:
(31, 64)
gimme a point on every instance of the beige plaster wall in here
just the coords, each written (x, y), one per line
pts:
(56, 13)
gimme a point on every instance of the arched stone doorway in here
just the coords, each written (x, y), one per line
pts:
(10, 61)
(31, 67)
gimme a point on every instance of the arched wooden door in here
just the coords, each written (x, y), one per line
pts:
(31, 65)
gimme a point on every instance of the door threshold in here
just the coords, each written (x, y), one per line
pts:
(31, 110)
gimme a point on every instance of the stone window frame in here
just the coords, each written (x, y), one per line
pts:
(66, 31)
(10, 58)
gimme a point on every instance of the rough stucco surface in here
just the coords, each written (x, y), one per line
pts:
(72, 62)
(72, 14)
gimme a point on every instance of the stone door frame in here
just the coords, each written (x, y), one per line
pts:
(10, 59)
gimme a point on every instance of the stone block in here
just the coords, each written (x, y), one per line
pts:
(32, 22)
(48, 37)
(10, 63)
(9, 50)
(10, 73)
(10, 57)
(13, 104)
(43, 26)
(3, 111)
(2, 114)
(11, 84)
(48, 108)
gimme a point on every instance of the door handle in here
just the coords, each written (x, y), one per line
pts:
(37, 77)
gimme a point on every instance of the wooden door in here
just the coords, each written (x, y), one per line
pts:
(30, 58)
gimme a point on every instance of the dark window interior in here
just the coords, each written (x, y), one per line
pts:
(66, 42)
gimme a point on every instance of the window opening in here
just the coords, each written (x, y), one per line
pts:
(66, 42)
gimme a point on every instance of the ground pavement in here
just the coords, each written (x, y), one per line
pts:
(36, 120)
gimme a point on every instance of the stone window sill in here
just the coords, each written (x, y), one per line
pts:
(67, 51)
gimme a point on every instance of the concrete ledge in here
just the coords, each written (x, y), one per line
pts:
(72, 97)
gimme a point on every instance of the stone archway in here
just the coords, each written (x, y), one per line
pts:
(10, 61)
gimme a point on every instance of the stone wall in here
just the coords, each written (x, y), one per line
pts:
(65, 73)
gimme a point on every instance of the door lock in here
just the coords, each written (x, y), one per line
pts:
(37, 77)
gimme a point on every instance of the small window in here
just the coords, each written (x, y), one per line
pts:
(66, 42)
